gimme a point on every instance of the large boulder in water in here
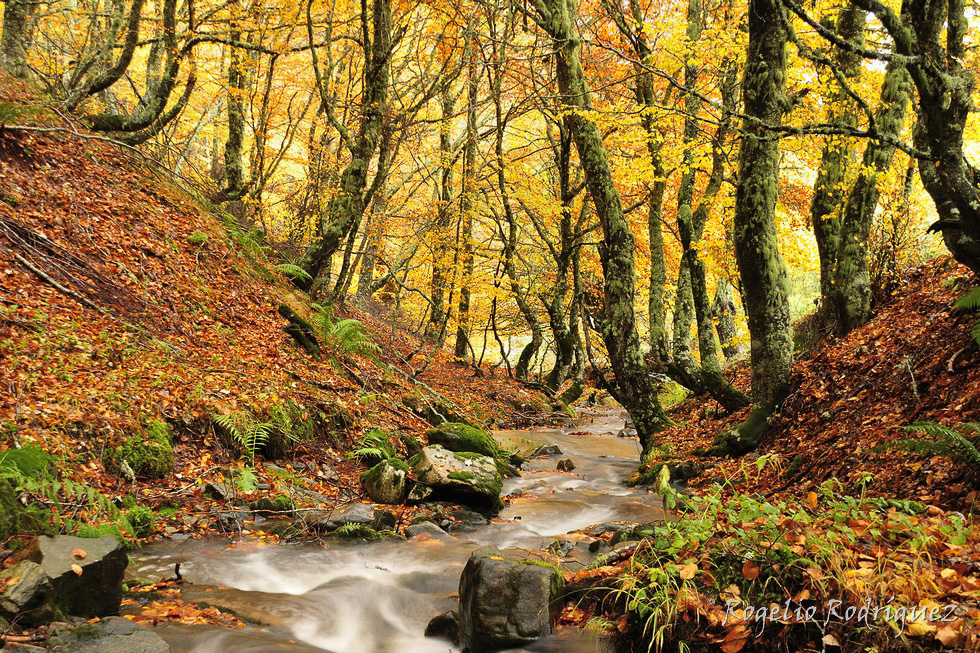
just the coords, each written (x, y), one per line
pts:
(505, 600)
(457, 436)
(95, 590)
(386, 482)
(462, 477)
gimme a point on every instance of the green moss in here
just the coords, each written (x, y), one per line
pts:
(197, 238)
(460, 437)
(149, 454)
(140, 520)
(93, 531)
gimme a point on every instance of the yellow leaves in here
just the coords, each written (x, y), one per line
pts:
(77, 569)
(686, 572)
(811, 499)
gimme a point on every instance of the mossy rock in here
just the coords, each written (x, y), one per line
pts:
(457, 436)
(411, 444)
(267, 507)
(149, 454)
(463, 477)
(386, 482)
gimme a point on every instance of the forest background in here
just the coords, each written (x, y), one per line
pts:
(632, 191)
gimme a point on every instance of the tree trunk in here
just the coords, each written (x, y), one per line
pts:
(934, 34)
(467, 202)
(234, 167)
(635, 389)
(852, 280)
(760, 265)
(346, 208)
(723, 310)
(13, 45)
(838, 152)
(441, 259)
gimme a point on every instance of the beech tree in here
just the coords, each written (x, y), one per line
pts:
(634, 387)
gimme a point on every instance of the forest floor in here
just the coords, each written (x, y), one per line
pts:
(915, 361)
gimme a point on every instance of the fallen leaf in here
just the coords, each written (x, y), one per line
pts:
(830, 640)
(78, 553)
(687, 571)
(811, 499)
(947, 636)
(77, 569)
(750, 570)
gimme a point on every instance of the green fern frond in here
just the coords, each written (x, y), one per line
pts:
(294, 271)
(975, 331)
(249, 433)
(970, 301)
(939, 441)
(373, 447)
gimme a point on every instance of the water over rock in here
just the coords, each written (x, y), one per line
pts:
(505, 600)
(468, 478)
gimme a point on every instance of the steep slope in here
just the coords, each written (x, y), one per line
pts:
(915, 361)
(125, 302)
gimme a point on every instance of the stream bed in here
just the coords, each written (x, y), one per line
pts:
(377, 597)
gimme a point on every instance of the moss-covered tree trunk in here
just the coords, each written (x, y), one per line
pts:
(838, 151)
(13, 44)
(723, 312)
(933, 34)
(851, 290)
(635, 389)
(760, 265)
(345, 209)
(467, 202)
(234, 167)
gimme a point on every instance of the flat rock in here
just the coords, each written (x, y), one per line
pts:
(97, 591)
(111, 635)
(424, 527)
(357, 513)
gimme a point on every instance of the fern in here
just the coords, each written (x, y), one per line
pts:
(970, 301)
(349, 336)
(940, 441)
(373, 447)
(294, 271)
(249, 433)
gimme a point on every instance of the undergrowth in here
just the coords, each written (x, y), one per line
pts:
(849, 573)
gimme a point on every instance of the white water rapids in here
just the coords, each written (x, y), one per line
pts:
(378, 597)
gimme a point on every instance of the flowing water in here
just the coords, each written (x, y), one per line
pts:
(378, 597)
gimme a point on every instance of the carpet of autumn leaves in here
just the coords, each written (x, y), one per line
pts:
(123, 299)
(915, 361)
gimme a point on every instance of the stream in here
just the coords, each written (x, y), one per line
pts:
(378, 597)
